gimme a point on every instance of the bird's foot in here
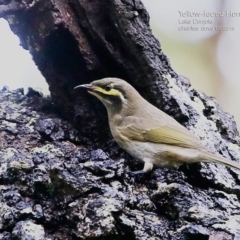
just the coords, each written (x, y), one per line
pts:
(138, 172)
(147, 168)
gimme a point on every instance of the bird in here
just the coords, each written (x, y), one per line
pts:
(146, 132)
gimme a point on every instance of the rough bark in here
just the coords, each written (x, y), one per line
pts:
(68, 182)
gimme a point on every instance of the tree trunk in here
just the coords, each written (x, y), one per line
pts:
(66, 182)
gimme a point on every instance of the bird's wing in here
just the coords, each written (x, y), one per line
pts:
(171, 133)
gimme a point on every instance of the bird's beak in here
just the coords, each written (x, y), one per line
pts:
(90, 87)
(87, 86)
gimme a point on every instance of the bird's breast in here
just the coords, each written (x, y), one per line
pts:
(119, 138)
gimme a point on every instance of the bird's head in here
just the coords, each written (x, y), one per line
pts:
(114, 93)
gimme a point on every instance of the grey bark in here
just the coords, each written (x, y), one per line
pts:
(61, 174)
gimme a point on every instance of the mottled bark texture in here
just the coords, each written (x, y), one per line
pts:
(64, 182)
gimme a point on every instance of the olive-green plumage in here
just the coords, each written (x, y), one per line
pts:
(146, 132)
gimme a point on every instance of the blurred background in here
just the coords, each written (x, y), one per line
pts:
(201, 39)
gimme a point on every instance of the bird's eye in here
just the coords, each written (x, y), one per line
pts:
(108, 87)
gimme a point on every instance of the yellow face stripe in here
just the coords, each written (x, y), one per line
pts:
(112, 92)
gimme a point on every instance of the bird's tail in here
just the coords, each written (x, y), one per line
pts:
(213, 157)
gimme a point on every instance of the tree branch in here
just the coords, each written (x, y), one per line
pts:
(74, 42)
(11, 8)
